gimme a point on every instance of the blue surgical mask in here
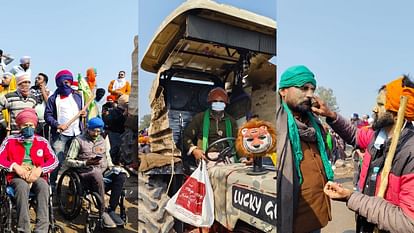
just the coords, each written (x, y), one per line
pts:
(218, 106)
(27, 132)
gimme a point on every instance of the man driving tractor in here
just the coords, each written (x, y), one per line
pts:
(209, 126)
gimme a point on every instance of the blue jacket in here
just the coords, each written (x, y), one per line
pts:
(51, 111)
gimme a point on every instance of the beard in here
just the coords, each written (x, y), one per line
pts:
(387, 119)
(303, 107)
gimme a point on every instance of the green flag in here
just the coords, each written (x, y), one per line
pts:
(87, 95)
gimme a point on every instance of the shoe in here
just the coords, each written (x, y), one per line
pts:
(118, 220)
(107, 221)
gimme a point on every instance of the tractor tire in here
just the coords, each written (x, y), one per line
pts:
(152, 199)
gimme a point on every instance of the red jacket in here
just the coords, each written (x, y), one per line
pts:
(394, 212)
(41, 153)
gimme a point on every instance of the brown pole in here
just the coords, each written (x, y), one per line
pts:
(394, 142)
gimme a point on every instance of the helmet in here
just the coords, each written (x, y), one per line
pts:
(218, 94)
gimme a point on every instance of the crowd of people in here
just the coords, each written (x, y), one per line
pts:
(41, 130)
(306, 176)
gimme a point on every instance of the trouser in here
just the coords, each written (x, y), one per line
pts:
(59, 143)
(116, 189)
(41, 189)
(93, 181)
(115, 141)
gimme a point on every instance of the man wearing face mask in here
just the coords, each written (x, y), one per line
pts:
(61, 107)
(302, 156)
(28, 158)
(215, 119)
(120, 86)
(15, 102)
(394, 212)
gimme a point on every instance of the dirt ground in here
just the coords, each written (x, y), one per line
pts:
(343, 220)
(131, 205)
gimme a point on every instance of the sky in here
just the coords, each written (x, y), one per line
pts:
(72, 35)
(353, 47)
(152, 13)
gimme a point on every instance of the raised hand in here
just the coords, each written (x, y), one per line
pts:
(319, 107)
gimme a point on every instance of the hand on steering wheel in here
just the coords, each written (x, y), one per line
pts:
(198, 154)
(225, 146)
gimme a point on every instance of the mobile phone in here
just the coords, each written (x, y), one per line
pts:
(98, 157)
(315, 103)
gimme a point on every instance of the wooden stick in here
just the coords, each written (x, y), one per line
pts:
(8, 123)
(394, 142)
(68, 123)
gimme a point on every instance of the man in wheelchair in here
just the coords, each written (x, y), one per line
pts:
(89, 154)
(28, 159)
(209, 126)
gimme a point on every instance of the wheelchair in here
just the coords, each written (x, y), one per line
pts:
(72, 199)
(7, 213)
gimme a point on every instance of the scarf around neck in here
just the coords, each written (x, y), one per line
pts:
(119, 83)
(295, 137)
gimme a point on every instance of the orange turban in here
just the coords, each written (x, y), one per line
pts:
(396, 89)
(91, 77)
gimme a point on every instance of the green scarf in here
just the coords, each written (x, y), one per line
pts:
(206, 130)
(297, 149)
(329, 141)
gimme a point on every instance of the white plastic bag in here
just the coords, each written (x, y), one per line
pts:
(194, 201)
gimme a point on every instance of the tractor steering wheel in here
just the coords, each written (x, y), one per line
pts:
(226, 148)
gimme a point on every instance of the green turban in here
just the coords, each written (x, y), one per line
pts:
(297, 76)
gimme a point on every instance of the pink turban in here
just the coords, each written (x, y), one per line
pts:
(27, 115)
(364, 137)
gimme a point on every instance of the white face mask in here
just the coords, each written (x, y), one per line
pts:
(218, 106)
(382, 135)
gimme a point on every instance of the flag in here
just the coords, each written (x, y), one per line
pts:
(87, 94)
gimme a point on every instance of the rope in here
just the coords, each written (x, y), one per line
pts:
(172, 165)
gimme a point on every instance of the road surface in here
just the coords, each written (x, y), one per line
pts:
(343, 220)
(131, 205)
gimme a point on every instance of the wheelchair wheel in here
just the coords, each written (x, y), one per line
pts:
(5, 215)
(56, 229)
(69, 194)
(93, 221)
(123, 213)
(92, 226)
